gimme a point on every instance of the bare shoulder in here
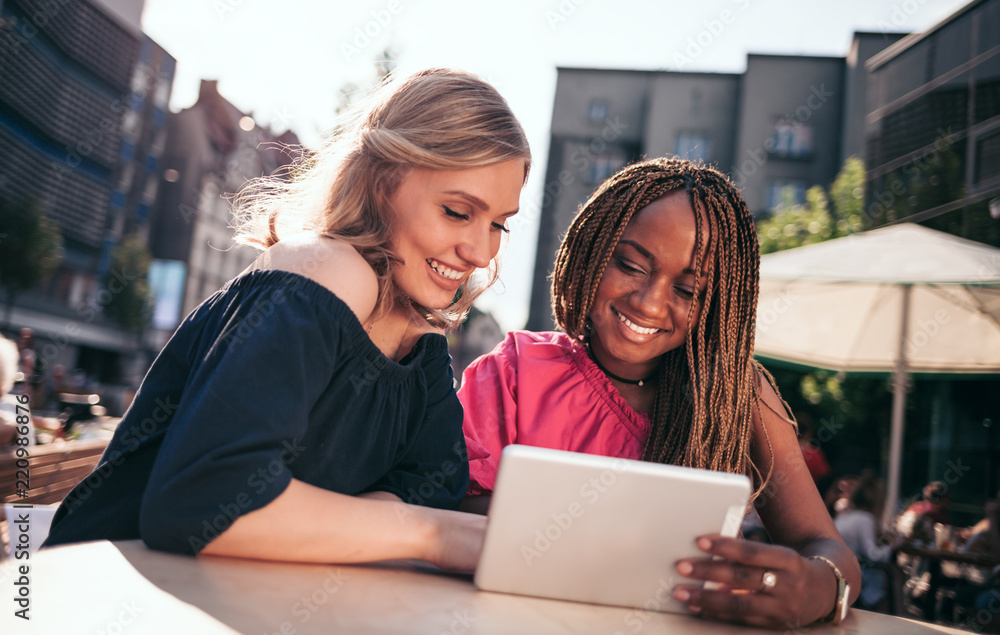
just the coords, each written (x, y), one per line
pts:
(775, 443)
(333, 263)
(772, 405)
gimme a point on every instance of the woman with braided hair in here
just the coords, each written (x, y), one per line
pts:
(307, 410)
(655, 292)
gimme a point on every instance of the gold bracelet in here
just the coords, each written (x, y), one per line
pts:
(842, 603)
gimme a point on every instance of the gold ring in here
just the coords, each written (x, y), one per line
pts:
(767, 581)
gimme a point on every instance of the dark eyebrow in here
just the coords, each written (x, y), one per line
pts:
(475, 200)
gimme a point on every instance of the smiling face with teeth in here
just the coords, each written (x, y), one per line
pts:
(642, 303)
(447, 224)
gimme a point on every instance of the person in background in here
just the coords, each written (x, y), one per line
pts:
(752, 527)
(858, 525)
(59, 385)
(812, 453)
(916, 526)
(655, 292)
(8, 371)
(984, 536)
(917, 521)
(30, 367)
(307, 411)
(838, 493)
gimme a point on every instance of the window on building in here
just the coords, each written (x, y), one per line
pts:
(693, 145)
(131, 125)
(149, 191)
(988, 157)
(81, 291)
(598, 111)
(605, 164)
(104, 264)
(785, 192)
(62, 285)
(125, 180)
(695, 101)
(162, 94)
(987, 94)
(159, 142)
(166, 281)
(790, 139)
(140, 78)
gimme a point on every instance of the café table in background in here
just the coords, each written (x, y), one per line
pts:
(948, 570)
(947, 555)
(123, 587)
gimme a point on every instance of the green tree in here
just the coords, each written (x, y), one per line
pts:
(127, 297)
(30, 248)
(847, 410)
(850, 414)
(848, 197)
(797, 225)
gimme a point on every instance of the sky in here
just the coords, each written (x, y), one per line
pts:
(286, 63)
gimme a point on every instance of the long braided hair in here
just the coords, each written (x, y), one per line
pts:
(706, 389)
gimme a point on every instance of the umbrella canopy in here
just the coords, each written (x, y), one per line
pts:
(899, 299)
(898, 254)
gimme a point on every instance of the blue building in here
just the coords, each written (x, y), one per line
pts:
(83, 105)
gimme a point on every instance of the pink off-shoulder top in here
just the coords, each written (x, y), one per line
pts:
(542, 389)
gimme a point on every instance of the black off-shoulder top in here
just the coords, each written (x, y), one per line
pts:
(271, 378)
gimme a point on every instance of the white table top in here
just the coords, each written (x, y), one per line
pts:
(124, 587)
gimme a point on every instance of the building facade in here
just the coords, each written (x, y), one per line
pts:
(212, 149)
(83, 102)
(785, 124)
(932, 135)
(932, 151)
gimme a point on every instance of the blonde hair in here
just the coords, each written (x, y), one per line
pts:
(706, 389)
(439, 119)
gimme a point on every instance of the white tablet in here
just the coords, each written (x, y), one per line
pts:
(587, 528)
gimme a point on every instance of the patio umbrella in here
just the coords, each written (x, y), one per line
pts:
(900, 299)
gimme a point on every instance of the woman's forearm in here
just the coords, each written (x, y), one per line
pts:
(311, 524)
(842, 556)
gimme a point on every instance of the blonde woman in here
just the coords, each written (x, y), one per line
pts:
(306, 411)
